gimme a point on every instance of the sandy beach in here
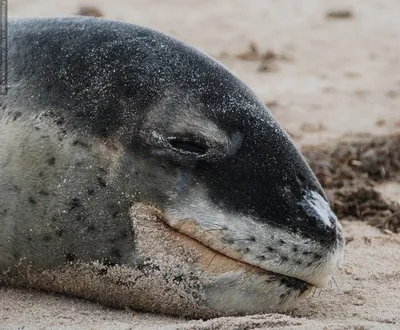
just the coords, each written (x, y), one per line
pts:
(329, 72)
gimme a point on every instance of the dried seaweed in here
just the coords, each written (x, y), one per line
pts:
(350, 169)
(368, 204)
(355, 160)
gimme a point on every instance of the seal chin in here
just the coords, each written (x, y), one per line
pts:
(244, 293)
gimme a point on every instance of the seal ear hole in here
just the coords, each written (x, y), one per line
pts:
(187, 145)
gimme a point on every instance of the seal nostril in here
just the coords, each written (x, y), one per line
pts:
(331, 224)
(320, 217)
(333, 220)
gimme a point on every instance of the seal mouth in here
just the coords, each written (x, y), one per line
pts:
(217, 262)
(288, 281)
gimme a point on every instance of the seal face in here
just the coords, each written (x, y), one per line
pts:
(102, 115)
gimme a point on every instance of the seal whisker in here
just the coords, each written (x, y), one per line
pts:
(319, 292)
(334, 281)
(215, 254)
(311, 296)
(314, 291)
(214, 229)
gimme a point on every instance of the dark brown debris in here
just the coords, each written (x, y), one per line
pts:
(380, 122)
(339, 13)
(252, 53)
(90, 11)
(267, 59)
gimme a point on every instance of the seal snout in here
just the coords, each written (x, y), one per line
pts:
(318, 210)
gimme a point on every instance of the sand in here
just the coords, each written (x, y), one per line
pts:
(324, 75)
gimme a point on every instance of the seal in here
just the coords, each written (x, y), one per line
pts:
(133, 164)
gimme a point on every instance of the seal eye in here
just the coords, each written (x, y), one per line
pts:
(188, 146)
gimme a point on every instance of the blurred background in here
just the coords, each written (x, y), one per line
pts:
(324, 68)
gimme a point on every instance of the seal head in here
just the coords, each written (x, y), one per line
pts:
(154, 121)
